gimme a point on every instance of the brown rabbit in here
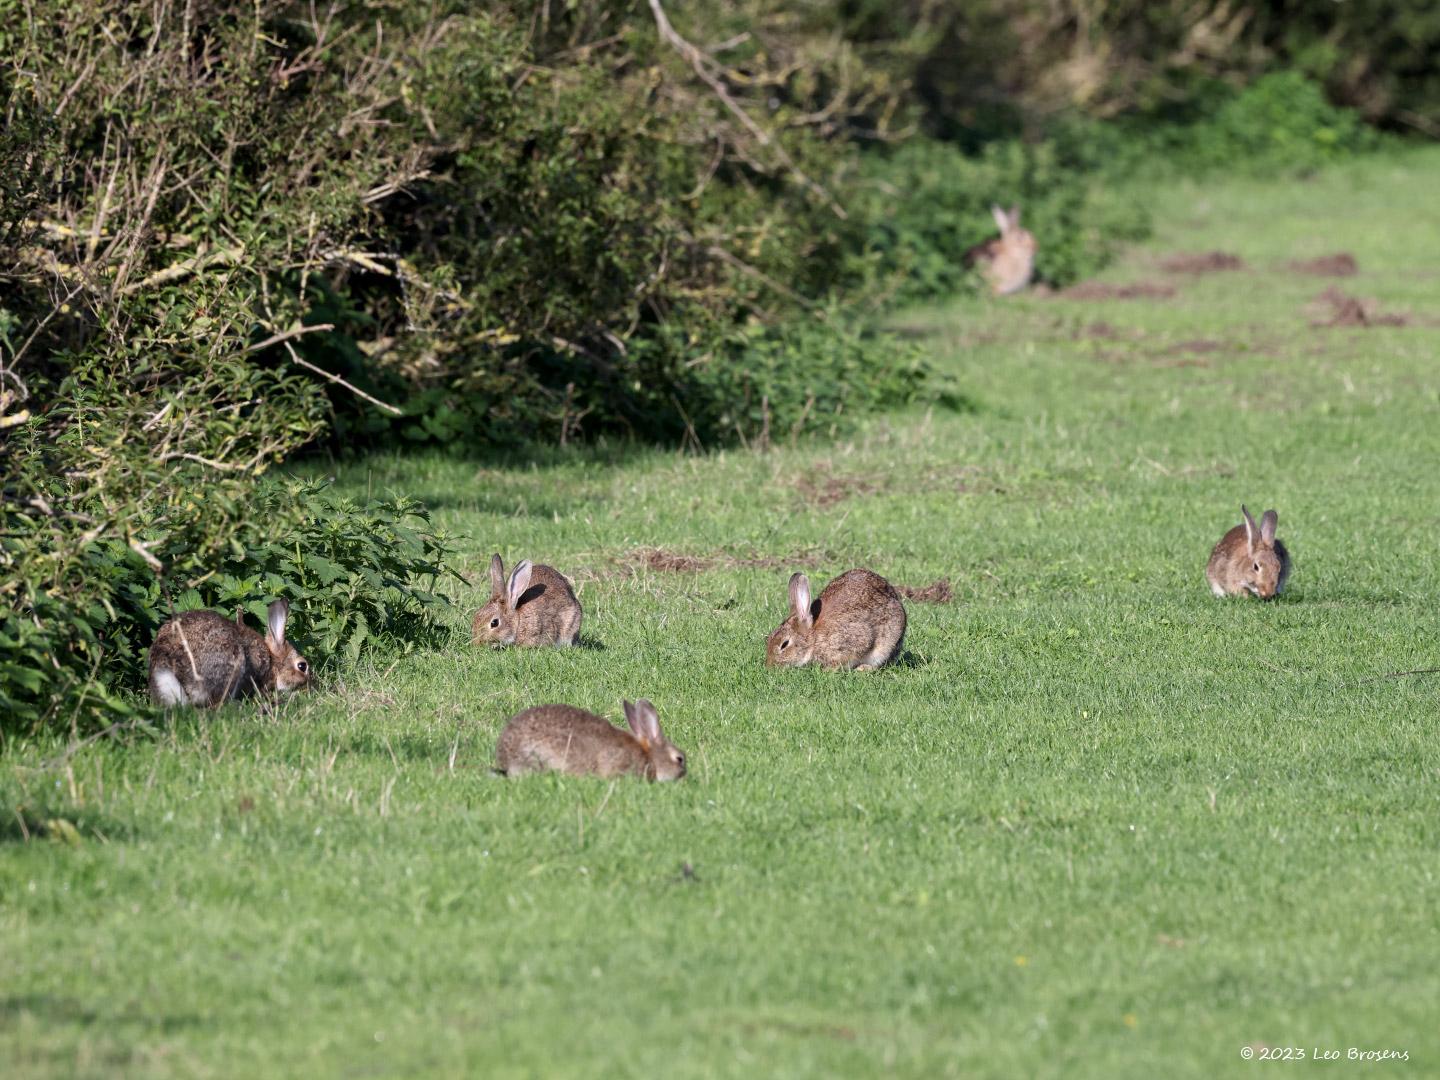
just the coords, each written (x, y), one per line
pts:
(202, 658)
(1248, 559)
(858, 622)
(562, 738)
(536, 607)
(1008, 261)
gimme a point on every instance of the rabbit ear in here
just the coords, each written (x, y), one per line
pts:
(1252, 531)
(1014, 216)
(800, 598)
(644, 721)
(1002, 219)
(497, 577)
(519, 582)
(279, 612)
(1268, 522)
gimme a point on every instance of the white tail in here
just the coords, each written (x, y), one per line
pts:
(168, 690)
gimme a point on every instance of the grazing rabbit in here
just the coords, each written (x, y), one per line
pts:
(562, 738)
(536, 607)
(202, 658)
(1248, 559)
(1008, 261)
(858, 622)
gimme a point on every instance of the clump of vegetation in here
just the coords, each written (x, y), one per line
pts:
(82, 605)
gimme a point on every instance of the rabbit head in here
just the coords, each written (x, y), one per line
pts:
(793, 642)
(1261, 566)
(290, 670)
(496, 621)
(664, 759)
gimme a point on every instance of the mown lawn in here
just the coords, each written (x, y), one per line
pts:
(1098, 824)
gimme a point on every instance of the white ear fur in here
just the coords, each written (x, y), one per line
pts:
(644, 721)
(800, 598)
(1252, 532)
(1268, 522)
(1002, 220)
(519, 582)
(275, 622)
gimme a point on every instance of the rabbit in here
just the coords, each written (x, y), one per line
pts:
(1248, 559)
(1008, 261)
(202, 658)
(536, 607)
(562, 738)
(858, 622)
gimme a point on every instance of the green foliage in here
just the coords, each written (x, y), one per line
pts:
(81, 609)
(928, 203)
(358, 576)
(1280, 124)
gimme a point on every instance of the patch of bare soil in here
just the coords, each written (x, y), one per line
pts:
(672, 562)
(1337, 308)
(823, 489)
(1100, 331)
(1201, 262)
(1101, 290)
(1340, 264)
(1199, 345)
(937, 592)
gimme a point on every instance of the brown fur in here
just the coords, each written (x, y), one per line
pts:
(1249, 559)
(562, 738)
(1008, 261)
(213, 660)
(857, 622)
(546, 612)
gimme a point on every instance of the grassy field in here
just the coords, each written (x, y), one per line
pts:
(1097, 824)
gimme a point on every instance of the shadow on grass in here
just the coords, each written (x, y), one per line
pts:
(50, 1009)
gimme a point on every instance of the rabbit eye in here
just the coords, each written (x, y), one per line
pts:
(680, 759)
(1257, 567)
(496, 622)
(301, 666)
(785, 644)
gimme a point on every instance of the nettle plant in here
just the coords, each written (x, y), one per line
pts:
(356, 575)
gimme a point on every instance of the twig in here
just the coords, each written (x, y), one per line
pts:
(339, 381)
(276, 339)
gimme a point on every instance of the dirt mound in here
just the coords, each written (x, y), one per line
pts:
(1339, 308)
(1100, 290)
(1201, 262)
(1340, 264)
(937, 592)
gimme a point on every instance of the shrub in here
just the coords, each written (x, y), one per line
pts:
(82, 608)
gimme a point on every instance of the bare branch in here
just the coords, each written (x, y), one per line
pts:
(698, 61)
(339, 381)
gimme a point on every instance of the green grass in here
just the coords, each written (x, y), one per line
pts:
(1100, 824)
